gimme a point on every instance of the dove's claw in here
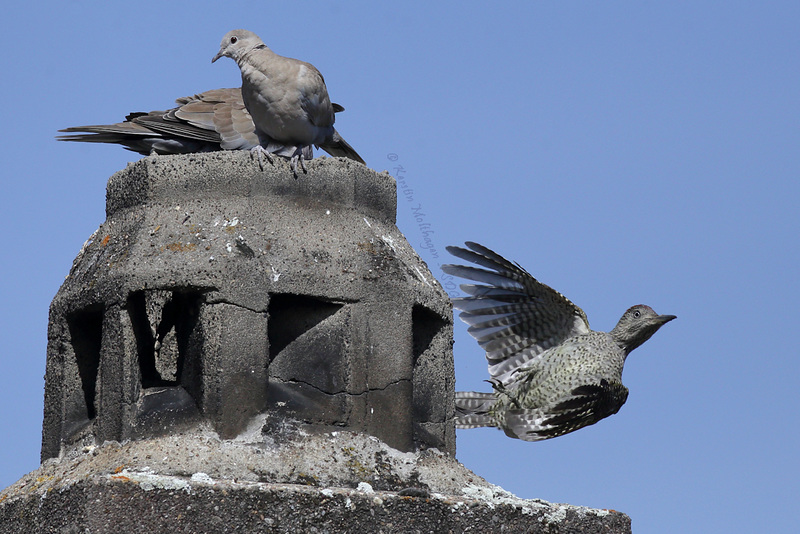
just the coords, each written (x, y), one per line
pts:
(258, 152)
(298, 156)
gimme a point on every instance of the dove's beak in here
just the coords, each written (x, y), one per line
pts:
(219, 55)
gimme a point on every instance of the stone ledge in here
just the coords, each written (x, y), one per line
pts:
(123, 503)
(277, 477)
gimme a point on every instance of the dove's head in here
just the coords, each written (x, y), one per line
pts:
(237, 43)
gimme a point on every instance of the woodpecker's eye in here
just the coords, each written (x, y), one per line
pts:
(234, 39)
(637, 314)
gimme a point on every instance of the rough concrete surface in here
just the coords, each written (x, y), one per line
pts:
(216, 291)
(276, 477)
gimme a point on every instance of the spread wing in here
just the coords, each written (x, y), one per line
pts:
(513, 316)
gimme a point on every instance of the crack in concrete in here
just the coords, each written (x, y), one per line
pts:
(222, 300)
(343, 392)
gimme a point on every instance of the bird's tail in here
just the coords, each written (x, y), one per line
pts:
(123, 133)
(340, 148)
(140, 138)
(472, 409)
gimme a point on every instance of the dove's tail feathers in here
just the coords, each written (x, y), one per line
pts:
(472, 409)
(340, 148)
(128, 134)
(136, 138)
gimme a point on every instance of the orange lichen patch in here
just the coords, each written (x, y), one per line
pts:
(122, 478)
(105, 240)
(180, 247)
(4, 497)
(118, 469)
(39, 481)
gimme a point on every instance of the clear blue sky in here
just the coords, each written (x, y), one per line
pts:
(622, 152)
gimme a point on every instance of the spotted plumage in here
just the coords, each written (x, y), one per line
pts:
(550, 372)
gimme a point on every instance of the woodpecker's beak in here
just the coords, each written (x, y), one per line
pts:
(664, 319)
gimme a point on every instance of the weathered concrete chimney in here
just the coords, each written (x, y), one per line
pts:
(238, 350)
(216, 292)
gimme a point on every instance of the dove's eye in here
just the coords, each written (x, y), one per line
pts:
(234, 39)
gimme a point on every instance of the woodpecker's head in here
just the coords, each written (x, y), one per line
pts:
(637, 325)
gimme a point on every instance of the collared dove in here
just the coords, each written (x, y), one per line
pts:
(287, 99)
(213, 120)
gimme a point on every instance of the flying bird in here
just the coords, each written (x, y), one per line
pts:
(287, 99)
(550, 372)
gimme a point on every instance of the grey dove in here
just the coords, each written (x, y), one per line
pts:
(550, 372)
(287, 99)
(213, 120)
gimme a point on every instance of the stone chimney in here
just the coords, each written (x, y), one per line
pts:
(215, 292)
(242, 350)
